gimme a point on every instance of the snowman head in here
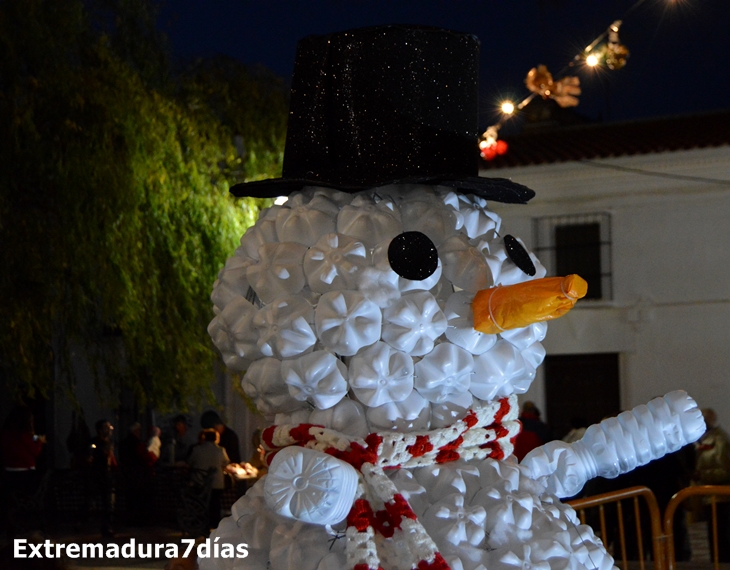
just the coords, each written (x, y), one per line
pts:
(355, 310)
(375, 298)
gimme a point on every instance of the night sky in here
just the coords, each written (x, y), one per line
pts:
(679, 62)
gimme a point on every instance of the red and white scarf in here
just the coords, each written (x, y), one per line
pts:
(379, 512)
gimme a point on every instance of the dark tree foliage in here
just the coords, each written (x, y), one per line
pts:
(114, 209)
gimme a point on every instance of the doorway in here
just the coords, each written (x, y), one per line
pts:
(580, 387)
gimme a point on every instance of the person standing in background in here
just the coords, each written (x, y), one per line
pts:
(103, 466)
(534, 431)
(712, 467)
(206, 456)
(228, 437)
(19, 448)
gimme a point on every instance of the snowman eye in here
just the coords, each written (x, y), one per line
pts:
(519, 255)
(412, 255)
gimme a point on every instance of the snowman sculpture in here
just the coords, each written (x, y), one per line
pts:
(384, 322)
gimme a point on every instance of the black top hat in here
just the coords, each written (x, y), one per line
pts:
(385, 105)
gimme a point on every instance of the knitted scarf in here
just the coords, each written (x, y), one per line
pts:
(381, 526)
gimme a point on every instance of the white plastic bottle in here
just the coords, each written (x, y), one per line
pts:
(618, 445)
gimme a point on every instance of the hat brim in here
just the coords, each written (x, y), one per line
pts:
(495, 189)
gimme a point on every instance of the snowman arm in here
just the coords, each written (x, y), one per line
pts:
(618, 445)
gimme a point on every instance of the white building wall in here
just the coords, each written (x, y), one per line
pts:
(670, 315)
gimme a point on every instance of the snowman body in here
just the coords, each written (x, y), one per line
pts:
(315, 309)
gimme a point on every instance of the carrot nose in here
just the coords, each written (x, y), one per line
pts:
(514, 306)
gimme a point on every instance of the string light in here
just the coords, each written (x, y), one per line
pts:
(508, 107)
(565, 90)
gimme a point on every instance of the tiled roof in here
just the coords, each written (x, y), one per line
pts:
(614, 139)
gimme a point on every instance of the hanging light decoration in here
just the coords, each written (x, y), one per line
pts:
(616, 52)
(563, 91)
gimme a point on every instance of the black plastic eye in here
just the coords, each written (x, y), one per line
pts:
(519, 255)
(413, 256)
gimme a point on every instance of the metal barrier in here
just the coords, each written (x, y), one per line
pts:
(580, 505)
(713, 491)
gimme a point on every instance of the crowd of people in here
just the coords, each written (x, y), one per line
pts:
(108, 465)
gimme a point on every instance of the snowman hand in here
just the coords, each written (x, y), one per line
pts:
(310, 486)
(558, 467)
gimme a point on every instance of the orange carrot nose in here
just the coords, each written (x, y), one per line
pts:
(514, 306)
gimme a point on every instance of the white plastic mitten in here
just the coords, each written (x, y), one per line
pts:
(618, 445)
(346, 321)
(496, 370)
(279, 271)
(307, 223)
(445, 372)
(346, 416)
(461, 329)
(284, 327)
(319, 377)
(369, 223)
(412, 413)
(264, 231)
(232, 282)
(413, 322)
(430, 218)
(380, 374)
(334, 262)
(455, 522)
(264, 385)
(310, 486)
(464, 265)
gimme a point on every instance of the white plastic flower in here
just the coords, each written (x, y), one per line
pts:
(334, 262)
(279, 270)
(498, 371)
(411, 414)
(368, 222)
(430, 218)
(523, 337)
(505, 507)
(346, 416)
(346, 321)
(381, 286)
(237, 320)
(413, 323)
(444, 372)
(284, 327)
(380, 374)
(232, 281)
(522, 557)
(263, 384)
(444, 479)
(477, 218)
(461, 329)
(307, 223)
(264, 231)
(452, 410)
(319, 377)
(464, 265)
(456, 522)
